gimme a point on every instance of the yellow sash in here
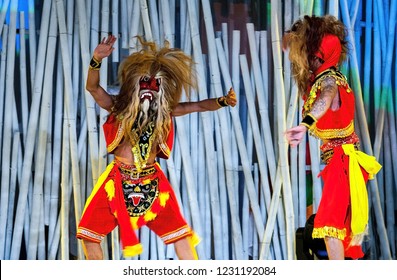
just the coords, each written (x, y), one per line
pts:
(358, 190)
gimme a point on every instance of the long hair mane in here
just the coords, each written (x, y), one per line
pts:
(172, 66)
(304, 39)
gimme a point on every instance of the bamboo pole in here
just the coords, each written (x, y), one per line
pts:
(41, 252)
(3, 63)
(234, 156)
(3, 12)
(207, 214)
(302, 174)
(288, 81)
(65, 190)
(172, 15)
(367, 61)
(184, 28)
(124, 27)
(32, 42)
(246, 218)
(389, 201)
(47, 181)
(9, 104)
(145, 20)
(89, 100)
(16, 151)
(24, 89)
(134, 27)
(333, 7)
(115, 29)
(225, 240)
(160, 27)
(94, 23)
(283, 163)
(378, 65)
(314, 147)
(393, 147)
(69, 21)
(234, 79)
(168, 31)
(225, 40)
(57, 136)
(45, 110)
(75, 68)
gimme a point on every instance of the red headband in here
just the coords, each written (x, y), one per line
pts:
(329, 51)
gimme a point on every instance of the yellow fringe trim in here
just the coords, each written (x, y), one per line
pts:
(117, 138)
(130, 251)
(329, 231)
(332, 133)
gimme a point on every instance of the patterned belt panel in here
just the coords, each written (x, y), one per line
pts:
(140, 190)
(327, 155)
(131, 173)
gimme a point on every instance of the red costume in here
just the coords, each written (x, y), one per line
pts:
(343, 209)
(131, 199)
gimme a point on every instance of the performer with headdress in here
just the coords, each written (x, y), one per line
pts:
(133, 191)
(317, 46)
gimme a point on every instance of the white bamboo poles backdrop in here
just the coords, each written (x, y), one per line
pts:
(240, 186)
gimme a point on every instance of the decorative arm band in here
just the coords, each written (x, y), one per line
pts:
(309, 120)
(95, 64)
(222, 102)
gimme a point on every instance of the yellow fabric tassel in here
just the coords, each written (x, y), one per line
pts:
(194, 240)
(358, 190)
(130, 251)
